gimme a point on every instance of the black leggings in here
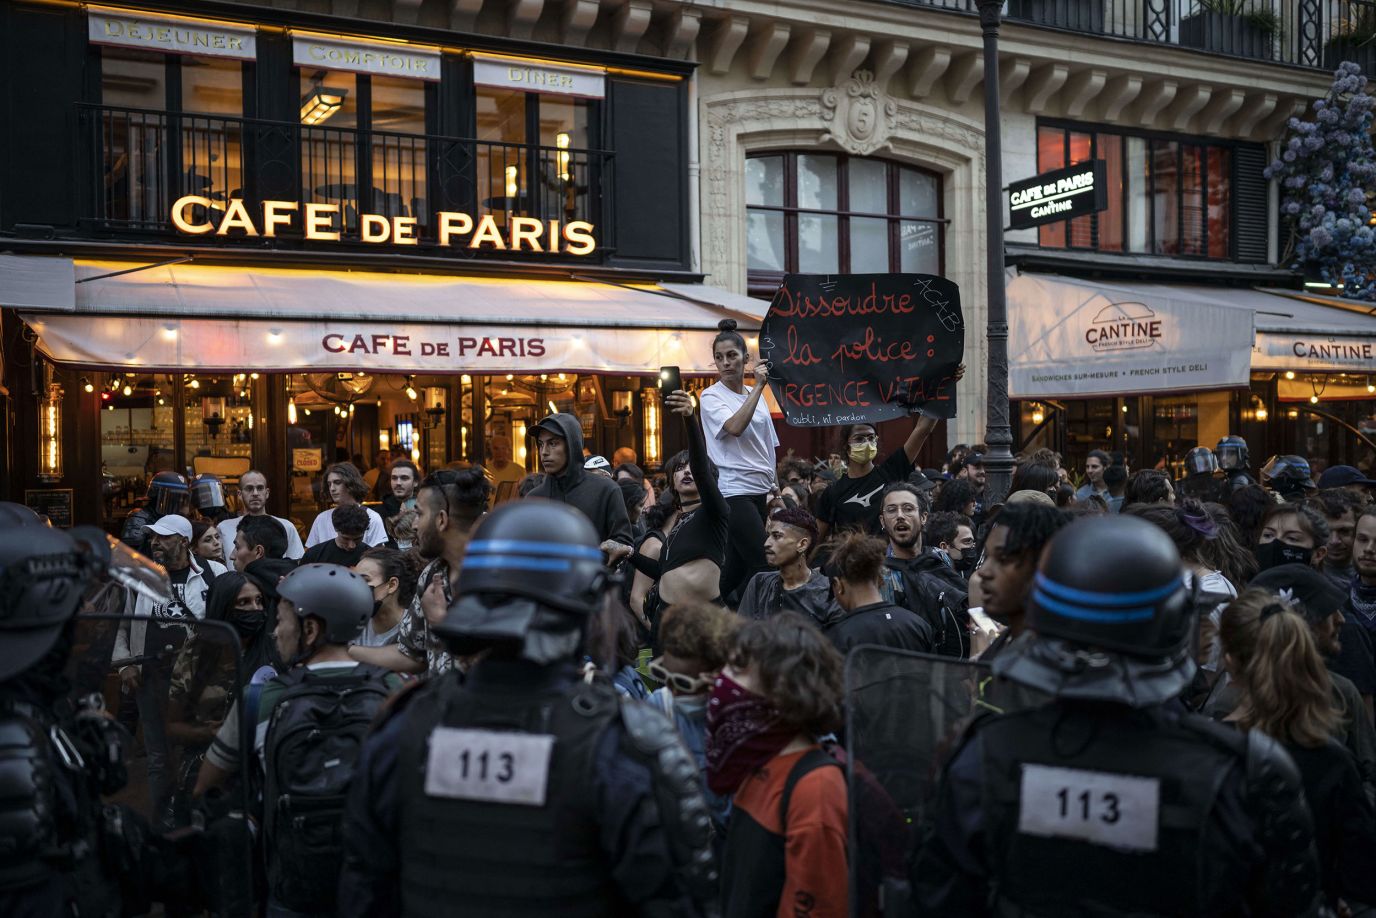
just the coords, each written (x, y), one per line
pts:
(744, 544)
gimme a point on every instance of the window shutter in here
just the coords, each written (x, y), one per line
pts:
(1251, 211)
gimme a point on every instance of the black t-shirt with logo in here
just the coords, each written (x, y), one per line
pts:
(853, 503)
(164, 634)
(329, 552)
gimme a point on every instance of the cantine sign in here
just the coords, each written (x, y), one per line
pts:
(322, 222)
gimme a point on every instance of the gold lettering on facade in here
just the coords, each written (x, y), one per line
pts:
(179, 219)
(320, 222)
(274, 217)
(374, 228)
(404, 231)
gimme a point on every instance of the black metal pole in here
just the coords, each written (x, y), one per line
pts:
(998, 438)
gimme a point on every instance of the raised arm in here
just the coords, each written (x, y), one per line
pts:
(736, 424)
(709, 491)
(923, 428)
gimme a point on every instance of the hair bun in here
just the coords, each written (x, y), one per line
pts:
(726, 325)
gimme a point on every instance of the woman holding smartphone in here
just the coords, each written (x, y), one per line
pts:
(741, 442)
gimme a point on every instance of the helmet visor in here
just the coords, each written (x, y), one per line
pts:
(133, 571)
(164, 499)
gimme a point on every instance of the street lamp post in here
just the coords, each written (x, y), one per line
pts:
(998, 438)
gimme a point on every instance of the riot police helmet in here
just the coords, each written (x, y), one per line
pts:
(168, 492)
(208, 494)
(532, 576)
(1200, 461)
(1288, 476)
(1232, 453)
(43, 577)
(12, 514)
(1111, 613)
(341, 599)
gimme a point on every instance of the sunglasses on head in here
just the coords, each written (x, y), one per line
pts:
(684, 685)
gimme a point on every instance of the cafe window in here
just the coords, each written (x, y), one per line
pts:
(530, 154)
(168, 125)
(1165, 196)
(822, 213)
(384, 174)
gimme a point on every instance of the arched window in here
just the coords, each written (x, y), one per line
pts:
(819, 213)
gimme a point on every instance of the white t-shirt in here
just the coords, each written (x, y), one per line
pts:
(230, 526)
(746, 463)
(322, 530)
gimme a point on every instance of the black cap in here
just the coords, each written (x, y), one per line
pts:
(1340, 476)
(1318, 596)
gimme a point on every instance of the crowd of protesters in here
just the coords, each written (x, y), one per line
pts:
(740, 581)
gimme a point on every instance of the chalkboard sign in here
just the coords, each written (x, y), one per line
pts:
(54, 503)
(863, 348)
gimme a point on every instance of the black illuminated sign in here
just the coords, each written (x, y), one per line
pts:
(1075, 191)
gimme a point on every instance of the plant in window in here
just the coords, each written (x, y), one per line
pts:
(1327, 175)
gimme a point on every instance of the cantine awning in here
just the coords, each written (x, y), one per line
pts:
(207, 317)
(1077, 338)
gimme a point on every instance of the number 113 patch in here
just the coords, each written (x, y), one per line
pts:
(1117, 811)
(494, 766)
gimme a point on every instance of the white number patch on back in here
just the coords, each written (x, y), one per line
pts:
(488, 765)
(1117, 811)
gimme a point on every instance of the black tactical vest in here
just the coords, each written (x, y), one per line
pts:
(1084, 845)
(482, 858)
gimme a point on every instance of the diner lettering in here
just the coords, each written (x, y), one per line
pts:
(863, 347)
(197, 215)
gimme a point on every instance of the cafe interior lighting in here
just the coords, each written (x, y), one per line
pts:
(561, 140)
(1289, 374)
(291, 410)
(1313, 399)
(1038, 415)
(195, 383)
(384, 440)
(321, 104)
(411, 392)
(521, 451)
(50, 435)
(128, 390)
(553, 408)
(650, 425)
(87, 385)
(512, 187)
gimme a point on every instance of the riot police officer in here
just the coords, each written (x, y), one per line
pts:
(56, 759)
(1288, 476)
(1200, 481)
(168, 492)
(1109, 800)
(1233, 460)
(521, 789)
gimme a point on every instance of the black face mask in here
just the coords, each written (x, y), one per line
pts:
(377, 607)
(1275, 553)
(966, 562)
(249, 624)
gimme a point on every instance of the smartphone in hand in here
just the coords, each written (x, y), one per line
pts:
(670, 380)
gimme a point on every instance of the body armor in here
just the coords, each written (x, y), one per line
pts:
(1164, 789)
(505, 859)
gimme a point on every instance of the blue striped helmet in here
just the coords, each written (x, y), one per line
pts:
(1115, 583)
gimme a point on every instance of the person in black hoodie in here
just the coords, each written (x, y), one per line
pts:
(792, 586)
(920, 579)
(560, 439)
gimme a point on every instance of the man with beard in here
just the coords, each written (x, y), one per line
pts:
(791, 585)
(448, 505)
(146, 645)
(921, 580)
(253, 494)
(403, 478)
(1015, 543)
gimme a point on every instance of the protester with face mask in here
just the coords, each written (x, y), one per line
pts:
(391, 575)
(204, 682)
(695, 639)
(1292, 534)
(952, 537)
(786, 843)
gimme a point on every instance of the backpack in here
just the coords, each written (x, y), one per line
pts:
(879, 837)
(942, 597)
(314, 737)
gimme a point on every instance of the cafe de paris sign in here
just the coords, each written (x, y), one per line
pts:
(1062, 194)
(322, 222)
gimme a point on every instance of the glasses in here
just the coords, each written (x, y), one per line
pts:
(684, 685)
(865, 438)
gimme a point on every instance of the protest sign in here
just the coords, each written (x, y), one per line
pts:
(863, 348)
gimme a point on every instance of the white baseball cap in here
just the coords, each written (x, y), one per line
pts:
(597, 462)
(172, 524)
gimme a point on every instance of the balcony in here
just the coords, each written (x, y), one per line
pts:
(1306, 33)
(138, 162)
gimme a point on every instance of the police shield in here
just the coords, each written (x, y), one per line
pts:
(903, 712)
(153, 689)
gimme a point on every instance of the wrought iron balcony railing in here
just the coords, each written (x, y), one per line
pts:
(1308, 33)
(138, 162)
